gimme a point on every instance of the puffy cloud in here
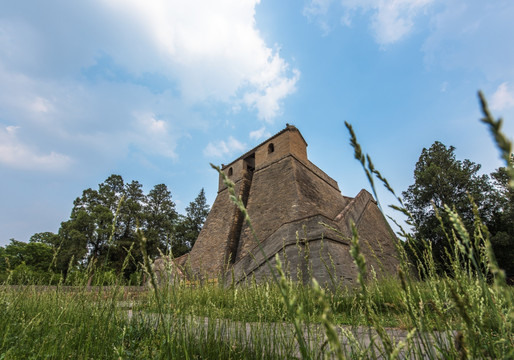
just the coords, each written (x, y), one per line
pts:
(394, 20)
(152, 135)
(266, 99)
(503, 98)
(222, 148)
(213, 49)
(16, 154)
(259, 134)
(469, 35)
(317, 10)
(390, 20)
(104, 76)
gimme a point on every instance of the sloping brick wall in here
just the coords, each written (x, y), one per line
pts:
(377, 241)
(207, 258)
(273, 201)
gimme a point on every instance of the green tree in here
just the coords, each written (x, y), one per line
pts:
(93, 215)
(48, 238)
(75, 235)
(189, 226)
(3, 260)
(502, 221)
(160, 219)
(439, 179)
(182, 236)
(196, 213)
(129, 217)
(34, 256)
(103, 227)
(104, 222)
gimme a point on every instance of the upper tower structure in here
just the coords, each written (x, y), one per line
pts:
(287, 142)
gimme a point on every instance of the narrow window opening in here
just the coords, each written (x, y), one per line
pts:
(230, 172)
(271, 148)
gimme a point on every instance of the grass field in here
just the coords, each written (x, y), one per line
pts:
(60, 322)
(468, 315)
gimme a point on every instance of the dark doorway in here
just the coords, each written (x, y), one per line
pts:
(249, 162)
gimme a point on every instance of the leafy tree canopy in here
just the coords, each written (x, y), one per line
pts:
(189, 226)
(106, 227)
(36, 256)
(440, 179)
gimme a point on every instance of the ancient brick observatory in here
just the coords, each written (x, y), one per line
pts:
(288, 198)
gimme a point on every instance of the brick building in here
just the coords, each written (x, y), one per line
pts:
(287, 197)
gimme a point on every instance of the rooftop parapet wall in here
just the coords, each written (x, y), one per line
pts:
(287, 142)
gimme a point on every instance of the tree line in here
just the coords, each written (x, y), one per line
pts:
(105, 230)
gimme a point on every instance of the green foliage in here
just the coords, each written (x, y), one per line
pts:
(37, 255)
(101, 233)
(189, 226)
(48, 238)
(480, 321)
(197, 212)
(501, 224)
(440, 179)
(160, 219)
(27, 263)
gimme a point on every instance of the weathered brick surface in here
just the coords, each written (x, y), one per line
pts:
(287, 142)
(273, 201)
(289, 189)
(316, 194)
(328, 260)
(208, 254)
(376, 238)
(287, 197)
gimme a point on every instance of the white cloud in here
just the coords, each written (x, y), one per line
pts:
(317, 7)
(259, 134)
(459, 35)
(213, 49)
(16, 154)
(503, 98)
(317, 10)
(470, 35)
(222, 148)
(41, 105)
(390, 20)
(394, 20)
(152, 135)
(267, 98)
(79, 78)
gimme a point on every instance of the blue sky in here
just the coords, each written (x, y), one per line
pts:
(154, 90)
